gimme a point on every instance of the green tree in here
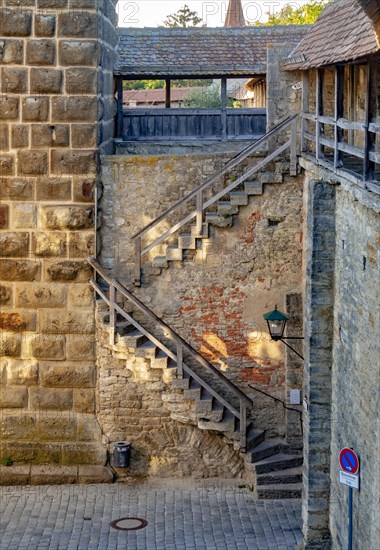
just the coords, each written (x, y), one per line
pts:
(207, 98)
(184, 17)
(304, 15)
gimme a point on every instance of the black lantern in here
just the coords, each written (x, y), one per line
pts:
(276, 324)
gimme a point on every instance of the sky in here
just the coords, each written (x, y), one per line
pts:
(151, 13)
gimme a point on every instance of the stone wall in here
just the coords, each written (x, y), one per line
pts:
(216, 298)
(56, 59)
(136, 402)
(342, 359)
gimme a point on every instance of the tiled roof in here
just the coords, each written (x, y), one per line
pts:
(346, 30)
(158, 94)
(200, 51)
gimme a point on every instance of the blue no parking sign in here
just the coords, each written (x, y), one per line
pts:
(349, 461)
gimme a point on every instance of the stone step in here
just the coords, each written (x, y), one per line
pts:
(169, 374)
(254, 438)
(288, 490)
(204, 404)
(266, 449)
(226, 208)
(173, 253)
(187, 241)
(160, 361)
(271, 177)
(215, 415)
(219, 221)
(227, 424)
(124, 328)
(204, 231)
(253, 187)
(290, 475)
(239, 198)
(134, 339)
(147, 349)
(149, 270)
(161, 262)
(279, 461)
(194, 391)
(182, 383)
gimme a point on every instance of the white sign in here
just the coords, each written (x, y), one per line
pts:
(351, 480)
(294, 397)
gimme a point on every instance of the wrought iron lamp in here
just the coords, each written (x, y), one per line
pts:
(276, 321)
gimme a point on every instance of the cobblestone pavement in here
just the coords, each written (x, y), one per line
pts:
(181, 516)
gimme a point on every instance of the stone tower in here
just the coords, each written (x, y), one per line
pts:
(56, 114)
(235, 15)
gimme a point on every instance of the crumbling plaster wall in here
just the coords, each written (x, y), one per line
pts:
(216, 298)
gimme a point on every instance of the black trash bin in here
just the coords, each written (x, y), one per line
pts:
(121, 454)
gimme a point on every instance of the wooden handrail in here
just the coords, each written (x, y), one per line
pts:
(176, 337)
(229, 166)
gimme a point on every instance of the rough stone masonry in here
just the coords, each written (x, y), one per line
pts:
(56, 110)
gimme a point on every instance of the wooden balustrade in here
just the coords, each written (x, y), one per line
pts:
(191, 124)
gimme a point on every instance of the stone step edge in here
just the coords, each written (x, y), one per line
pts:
(47, 474)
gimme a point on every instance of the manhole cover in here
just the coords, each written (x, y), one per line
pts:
(129, 524)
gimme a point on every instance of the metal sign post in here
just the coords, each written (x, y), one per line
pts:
(348, 475)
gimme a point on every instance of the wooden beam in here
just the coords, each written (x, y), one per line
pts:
(223, 101)
(167, 93)
(305, 108)
(338, 113)
(370, 116)
(351, 101)
(119, 116)
(319, 130)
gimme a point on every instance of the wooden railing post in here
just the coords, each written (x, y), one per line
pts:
(120, 114)
(305, 108)
(112, 314)
(199, 218)
(338, 113)
(137, 279)
(224, 108)
(243, 426)
(319, 129)
(293, 149)
(179, 360)
(370, 115)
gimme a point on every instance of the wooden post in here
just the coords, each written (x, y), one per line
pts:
(223, 100)
(370, 116)
(351, 102)
(305, 108)
(319, 149)
(293, 149)
(137, 280)
(338, 113)
(112, 315)
(119, 118)
(199, 219)
(243, 426)
(167, 92)
(179, 360)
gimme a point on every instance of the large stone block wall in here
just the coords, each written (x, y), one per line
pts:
(342, 359)
(56, 60)
(355, 369)
(216, 298)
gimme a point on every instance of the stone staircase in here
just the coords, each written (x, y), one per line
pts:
(221, 216)
(272, 469)
(228, 194)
